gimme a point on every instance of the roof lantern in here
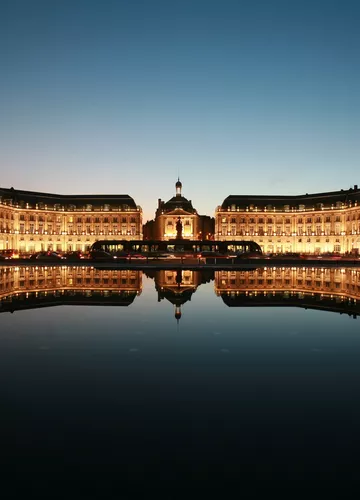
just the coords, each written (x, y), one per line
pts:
(178, 186)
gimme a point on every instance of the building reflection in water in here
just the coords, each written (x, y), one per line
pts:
(32, 287)
(178, 286)
(334, 289)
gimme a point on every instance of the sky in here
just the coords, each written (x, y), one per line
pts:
(234, 97)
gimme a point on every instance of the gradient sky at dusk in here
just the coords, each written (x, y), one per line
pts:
(236, 97)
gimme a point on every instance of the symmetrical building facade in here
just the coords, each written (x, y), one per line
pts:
(310, 223)
(32, 222)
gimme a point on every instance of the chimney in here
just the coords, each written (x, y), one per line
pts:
(159, 202)
(355, 187)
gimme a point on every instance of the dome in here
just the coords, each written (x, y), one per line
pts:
(178, 184)
(178, 202)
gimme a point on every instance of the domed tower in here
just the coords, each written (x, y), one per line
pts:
(177, 218)
(178, 187)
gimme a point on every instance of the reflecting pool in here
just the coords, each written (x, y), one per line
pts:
(179, 373)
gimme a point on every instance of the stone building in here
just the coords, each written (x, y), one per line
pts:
(32, 222)
(178, 210)
(310, 223)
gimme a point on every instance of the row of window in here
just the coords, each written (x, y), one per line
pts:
(297, 220)
(95, 229)
(67, 218)
(78, 281)
(86, 208)
(287, 282)
(171, 223)
(279, 232)
(288, 208)
(349, 274)
(78, 220)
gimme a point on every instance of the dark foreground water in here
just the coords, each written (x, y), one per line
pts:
(178, 376)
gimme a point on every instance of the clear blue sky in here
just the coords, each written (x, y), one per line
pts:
(237, 97)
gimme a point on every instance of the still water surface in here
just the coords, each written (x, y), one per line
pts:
(177, 373)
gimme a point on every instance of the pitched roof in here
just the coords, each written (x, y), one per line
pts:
(96, 200)
(308, 200)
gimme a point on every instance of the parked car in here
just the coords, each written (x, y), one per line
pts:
(46, 256)
(76, 255)
(292, 255)
(9, 254)
(329, 256)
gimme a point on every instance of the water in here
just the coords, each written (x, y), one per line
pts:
(181, 375)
